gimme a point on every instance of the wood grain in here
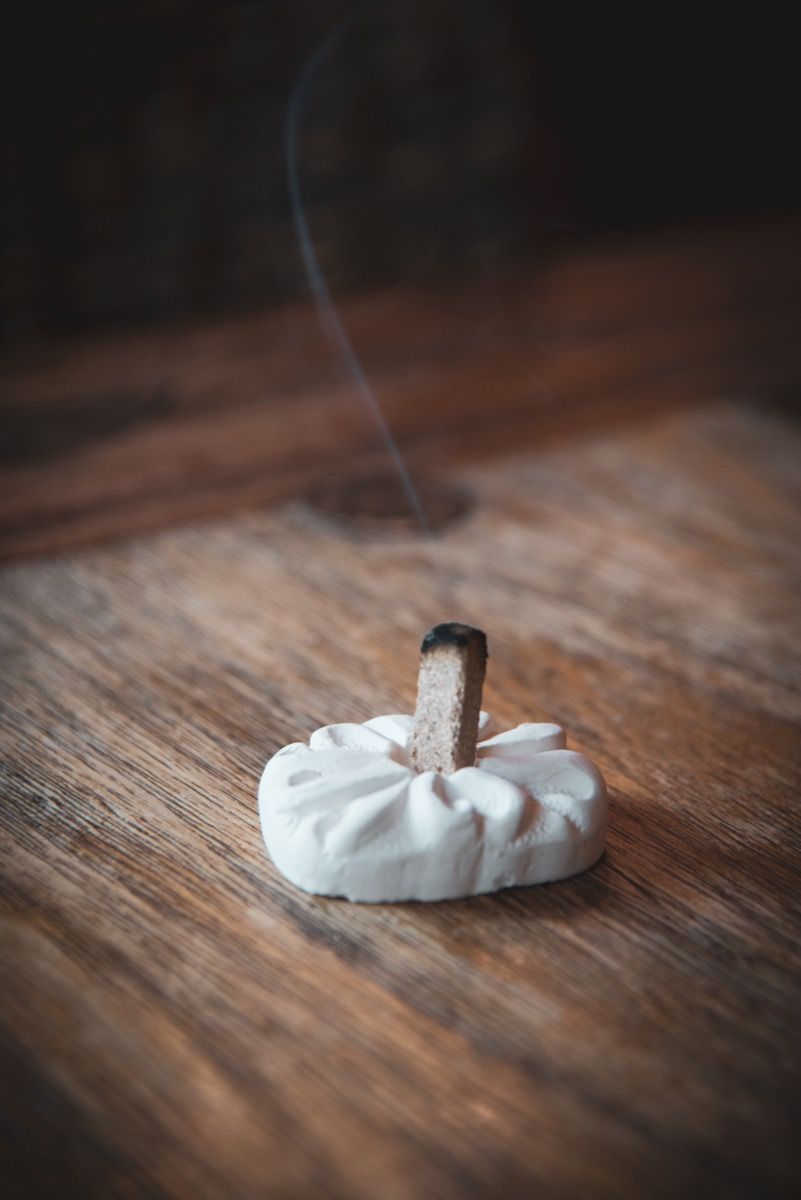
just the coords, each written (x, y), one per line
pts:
(178, 1021)
(140, 431)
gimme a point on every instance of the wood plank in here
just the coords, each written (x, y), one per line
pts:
(140, 431)
(177, 1020)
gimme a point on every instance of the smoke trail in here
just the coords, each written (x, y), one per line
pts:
(327, 311)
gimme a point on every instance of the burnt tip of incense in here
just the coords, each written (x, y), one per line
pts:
(452, 633)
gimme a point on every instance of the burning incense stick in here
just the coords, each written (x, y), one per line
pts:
(397, 813)
(452, 665)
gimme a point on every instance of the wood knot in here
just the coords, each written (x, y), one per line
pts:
(376, 506)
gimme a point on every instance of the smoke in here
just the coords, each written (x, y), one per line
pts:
(326, 308)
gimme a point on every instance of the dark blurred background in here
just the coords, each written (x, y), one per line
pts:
(144, 155)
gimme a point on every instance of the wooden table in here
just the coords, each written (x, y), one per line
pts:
(177, 1020)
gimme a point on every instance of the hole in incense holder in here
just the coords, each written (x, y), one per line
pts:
(377, 506)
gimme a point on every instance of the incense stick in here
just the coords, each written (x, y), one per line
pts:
(453, 660)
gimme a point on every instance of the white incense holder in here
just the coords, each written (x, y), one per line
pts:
(352, 814)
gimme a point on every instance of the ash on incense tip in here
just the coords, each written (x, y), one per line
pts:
(452, 633)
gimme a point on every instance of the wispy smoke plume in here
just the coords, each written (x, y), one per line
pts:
(326, 308)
